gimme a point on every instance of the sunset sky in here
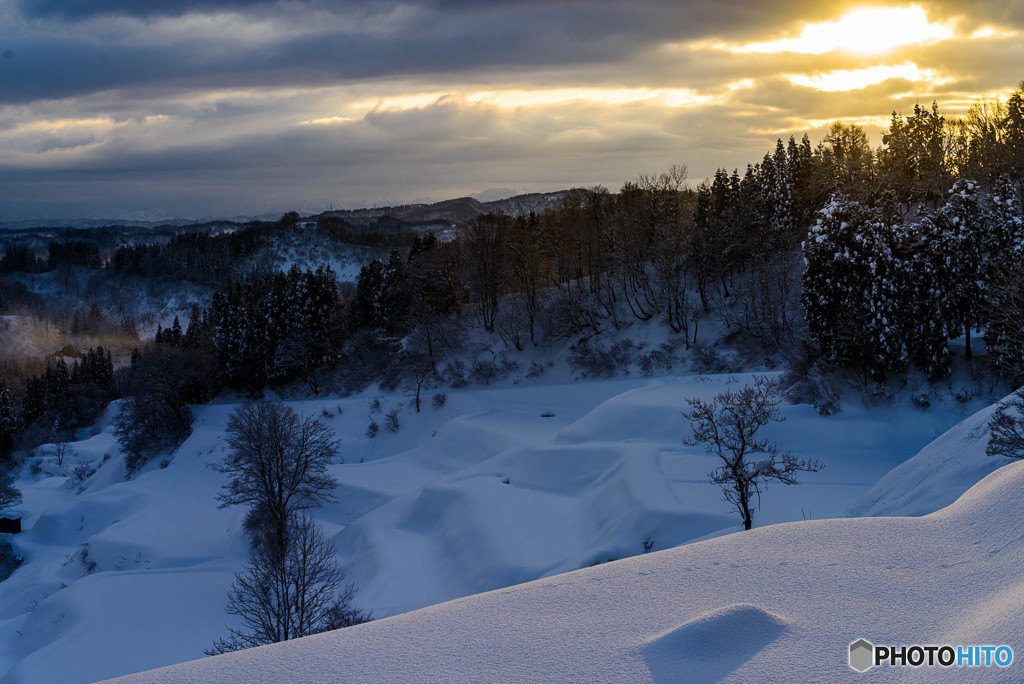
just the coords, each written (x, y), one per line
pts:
(189, 108)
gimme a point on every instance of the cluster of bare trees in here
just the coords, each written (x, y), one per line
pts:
(595, 262)
(292, 585)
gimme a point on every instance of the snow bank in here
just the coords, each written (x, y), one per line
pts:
(501, 486)
(937, 475)
(779, 603)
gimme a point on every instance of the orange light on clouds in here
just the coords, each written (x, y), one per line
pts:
(842, 80)
(868, 30)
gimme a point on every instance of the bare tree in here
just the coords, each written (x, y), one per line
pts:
(288, 590)
(727, 426)
(1007, 430)
(277, 464)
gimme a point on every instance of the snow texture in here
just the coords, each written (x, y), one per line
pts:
(499, 487)
(779, 603)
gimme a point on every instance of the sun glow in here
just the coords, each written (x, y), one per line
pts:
(869, 30)
(843, 80)
(517, 98)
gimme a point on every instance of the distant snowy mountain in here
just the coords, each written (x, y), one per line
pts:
(494, 194)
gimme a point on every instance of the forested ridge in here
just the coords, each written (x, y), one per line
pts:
(835, 258)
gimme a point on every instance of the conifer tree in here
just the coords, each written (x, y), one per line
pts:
(8, 420)
(851, 289)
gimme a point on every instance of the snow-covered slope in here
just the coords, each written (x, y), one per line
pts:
(308, 248)
(937, 475)
(776, 604)
(500, 486)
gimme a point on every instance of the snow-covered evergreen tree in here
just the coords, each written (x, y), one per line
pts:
(963, 233)
(851, 288)
(8, 420)
(1004, 293)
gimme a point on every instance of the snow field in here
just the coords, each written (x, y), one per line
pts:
(779, 603)
(501, 486)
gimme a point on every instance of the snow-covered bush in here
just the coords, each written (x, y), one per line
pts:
(391, 420)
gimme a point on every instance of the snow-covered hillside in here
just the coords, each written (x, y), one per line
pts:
(936, 476)
(308, 248)
(500, 486)
(777, 604)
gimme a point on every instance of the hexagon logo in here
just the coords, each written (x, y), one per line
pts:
(862, 655)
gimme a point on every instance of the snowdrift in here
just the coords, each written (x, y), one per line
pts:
(937, 475)
(501, 486)
(779, 603)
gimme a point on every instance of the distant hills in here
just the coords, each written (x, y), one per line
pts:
(454, 211)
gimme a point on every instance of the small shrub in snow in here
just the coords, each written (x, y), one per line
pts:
(9, 494)
(648, 544)
(83, 557)
(9, 560)
(484, 372)
(62, 451)
(82, 472)
(594, 361)
(1007, 428)
(375, 405)
(662, 357)
(921, 400)
(372, 429)
(706, 359)
(535, 370)
(439, 400)
(806, 381)
(454, 374)
(391, 421)
(826, 406)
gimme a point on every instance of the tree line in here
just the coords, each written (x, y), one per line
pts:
(867, 260)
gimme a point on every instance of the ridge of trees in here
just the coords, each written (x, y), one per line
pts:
(870, 260)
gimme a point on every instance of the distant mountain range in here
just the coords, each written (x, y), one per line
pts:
(129, 223)
(454, 211)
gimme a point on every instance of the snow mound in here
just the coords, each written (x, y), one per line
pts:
(712, 645)
(937, 475)
(779, 603)
(500, 486)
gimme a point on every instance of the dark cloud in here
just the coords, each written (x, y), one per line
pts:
(372, 39)
(80, 9)
(267, 43)
(193, 107)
